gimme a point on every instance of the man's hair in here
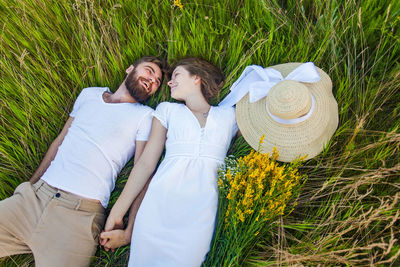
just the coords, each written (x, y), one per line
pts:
(212, 78)
(154, 60)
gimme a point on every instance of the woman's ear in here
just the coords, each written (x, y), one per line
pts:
(197, 79)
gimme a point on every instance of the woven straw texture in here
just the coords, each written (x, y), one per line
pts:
(306, 138)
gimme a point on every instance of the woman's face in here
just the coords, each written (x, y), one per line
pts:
(182, 83)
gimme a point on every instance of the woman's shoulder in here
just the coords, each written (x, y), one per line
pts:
(168, 105)
(225, 114)
(225, 109)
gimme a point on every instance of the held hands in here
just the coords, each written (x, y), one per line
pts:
(114, 239)
(113, 235)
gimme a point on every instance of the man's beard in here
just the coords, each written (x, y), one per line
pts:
(135, 89)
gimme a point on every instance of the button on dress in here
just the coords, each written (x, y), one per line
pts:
(175, 222)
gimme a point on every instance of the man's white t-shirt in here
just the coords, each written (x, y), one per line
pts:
(99, 142)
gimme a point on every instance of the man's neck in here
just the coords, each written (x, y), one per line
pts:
(120, 96)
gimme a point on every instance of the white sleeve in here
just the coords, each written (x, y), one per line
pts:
(235, 127)
(144, 129)
(161, 113)
(78, 102)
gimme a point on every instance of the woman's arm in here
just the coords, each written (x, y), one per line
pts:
(140, 145)
(121, 237)
(139, 174)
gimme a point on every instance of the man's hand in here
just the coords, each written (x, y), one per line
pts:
(114, 239)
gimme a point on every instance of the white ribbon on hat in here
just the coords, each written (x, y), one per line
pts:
(258, 81)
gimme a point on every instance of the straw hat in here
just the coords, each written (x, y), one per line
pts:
(297, 118)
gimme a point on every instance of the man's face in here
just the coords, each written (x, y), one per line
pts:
(143, 80)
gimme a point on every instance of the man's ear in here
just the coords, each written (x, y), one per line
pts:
(129, 69)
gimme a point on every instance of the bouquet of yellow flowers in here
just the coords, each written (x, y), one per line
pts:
(254, 191)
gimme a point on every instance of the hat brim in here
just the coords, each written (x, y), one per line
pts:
(306, 138)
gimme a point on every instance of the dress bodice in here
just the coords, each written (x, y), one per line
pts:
(186, 138)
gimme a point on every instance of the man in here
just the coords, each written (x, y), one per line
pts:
(59, 214)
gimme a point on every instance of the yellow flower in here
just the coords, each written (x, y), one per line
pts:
(249, 211)
(275, 153)
(228, 175)
(262, 139)
(229, 196)
(263, 211)
(303, 158)
(178, 4)
(257, 185)
(241, 215)
(287, 183)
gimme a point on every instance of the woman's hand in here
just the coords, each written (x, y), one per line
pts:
(115, 239)
(113, 223)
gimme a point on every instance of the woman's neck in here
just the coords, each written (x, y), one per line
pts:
(198, 105)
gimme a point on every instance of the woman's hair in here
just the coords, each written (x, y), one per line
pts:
(212, 78)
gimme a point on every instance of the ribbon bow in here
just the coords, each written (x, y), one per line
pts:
(257, 81)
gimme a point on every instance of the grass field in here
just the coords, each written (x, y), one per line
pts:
(348, 212)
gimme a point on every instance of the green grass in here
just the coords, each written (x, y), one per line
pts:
(348, 211)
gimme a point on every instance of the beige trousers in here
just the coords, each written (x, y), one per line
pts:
(59, 228)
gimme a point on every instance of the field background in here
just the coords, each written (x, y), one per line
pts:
(348, 213)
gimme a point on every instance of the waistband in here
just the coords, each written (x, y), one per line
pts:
(68, 199)
(215, 152)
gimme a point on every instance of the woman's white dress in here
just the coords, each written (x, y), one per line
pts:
(175, 222)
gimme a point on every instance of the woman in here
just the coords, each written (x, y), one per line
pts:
(175, 222)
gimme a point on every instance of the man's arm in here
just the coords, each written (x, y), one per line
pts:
(51, 152)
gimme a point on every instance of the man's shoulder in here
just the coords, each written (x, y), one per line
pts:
(92, 91)
(95, 89)
(144, 108)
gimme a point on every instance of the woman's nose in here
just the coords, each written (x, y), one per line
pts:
(169, 83)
